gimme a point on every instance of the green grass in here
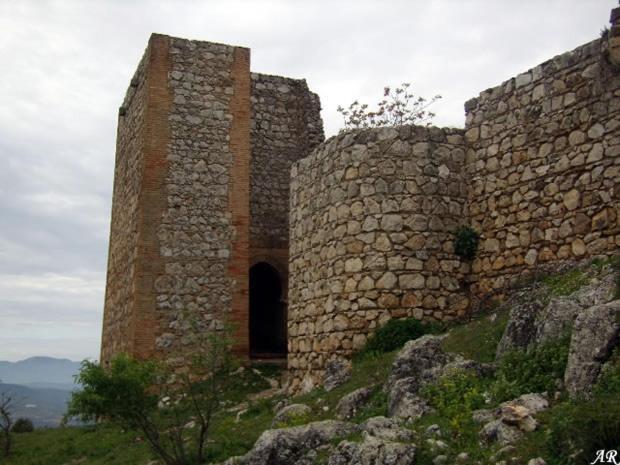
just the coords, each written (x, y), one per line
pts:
(102, 444)
(372, 369)
(478, 339)
(565, 283)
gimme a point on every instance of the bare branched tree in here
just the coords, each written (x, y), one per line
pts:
(399, 106)
(6, 423)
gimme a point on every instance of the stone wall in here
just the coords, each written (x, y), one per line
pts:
(286, 126)
(181, 203)
(372, 216)
(544, 161)
(204, 230)
(183, 230)
(117, 333)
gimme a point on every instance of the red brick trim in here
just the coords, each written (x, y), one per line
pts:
(239, 197)
(152, 203)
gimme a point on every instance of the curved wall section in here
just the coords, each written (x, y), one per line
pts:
(372, 216)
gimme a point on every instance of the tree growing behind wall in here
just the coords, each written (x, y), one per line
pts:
(173, 408)
(399, 106)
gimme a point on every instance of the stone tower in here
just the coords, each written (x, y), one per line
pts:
(200, 203)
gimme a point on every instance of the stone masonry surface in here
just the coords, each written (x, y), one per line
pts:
(218, 168)
(372, 217)
(544, 164)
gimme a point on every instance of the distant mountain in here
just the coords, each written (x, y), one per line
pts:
(44, 406)
(46, 372)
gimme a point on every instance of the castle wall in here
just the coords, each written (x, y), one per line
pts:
(544, 163)
(372, 216)
(118, 318)
(192, 207)
(286, 126)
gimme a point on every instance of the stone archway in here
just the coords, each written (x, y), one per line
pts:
(267, 313)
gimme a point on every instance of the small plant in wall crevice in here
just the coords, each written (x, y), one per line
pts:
(466, 242)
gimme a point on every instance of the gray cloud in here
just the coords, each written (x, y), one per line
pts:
(66, 65)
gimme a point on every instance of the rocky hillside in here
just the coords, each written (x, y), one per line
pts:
(534, 380)
(433, 405)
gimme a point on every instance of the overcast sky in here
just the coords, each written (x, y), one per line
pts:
(65, 66)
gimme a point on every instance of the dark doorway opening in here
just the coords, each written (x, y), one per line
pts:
(267, 313)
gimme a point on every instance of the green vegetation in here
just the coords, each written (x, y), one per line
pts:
(395, 333)
(23, 425)
(535, 371)
(565, 283)
(454, 397)
(96, 445)
(466, 242)
(478, 339)
(579, 429)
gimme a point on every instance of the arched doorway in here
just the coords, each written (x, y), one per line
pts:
(267, 313)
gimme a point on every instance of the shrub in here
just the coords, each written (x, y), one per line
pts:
(609, 382)
(23, 425)
(455, 396)
(578, 430)
(160, 401)
(395, 333)
(534, 371)
(399, 106)
(466, 242)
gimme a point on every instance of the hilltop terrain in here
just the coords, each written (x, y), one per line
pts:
(524, 381)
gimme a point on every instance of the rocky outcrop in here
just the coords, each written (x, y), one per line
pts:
(507, 423)
(373, 451)
(417, 357)
(521, 327)
(290, 412)
(555, 320)
(404, 401)
(388, 429)
(532, 324)
(350, 404)
(596, 332)
(286, 446)
(337, 372)
(420, 362)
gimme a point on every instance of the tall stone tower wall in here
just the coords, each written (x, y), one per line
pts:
(197, 134)
(286, 126)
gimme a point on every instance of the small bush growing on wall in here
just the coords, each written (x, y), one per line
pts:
(466, 242)
(399, 106)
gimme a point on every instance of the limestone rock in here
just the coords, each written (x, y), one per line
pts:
(286, 446)
(595, 333)
(483, 415)
(521, 327)
(555, 320)
(388, 429)
(537, 461)
(350, 404)
(417, 356)
(403, 401)
(290, 412)
(373, 451)
(337, 372)
(534, 402)
(499, 431)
